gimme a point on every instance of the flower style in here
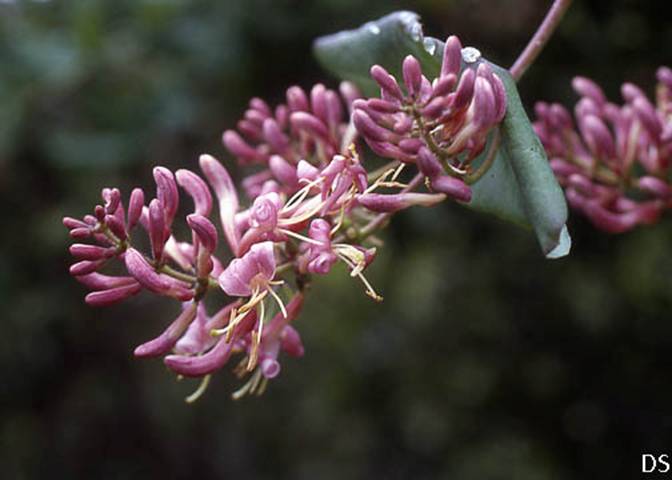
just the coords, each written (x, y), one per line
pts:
(442, 125)
(615, 168)
(312, 203)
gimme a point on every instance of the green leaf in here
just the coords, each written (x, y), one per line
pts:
(519, 187)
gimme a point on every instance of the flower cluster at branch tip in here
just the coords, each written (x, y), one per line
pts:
(615, 165)
(442, 125)
(312, 204)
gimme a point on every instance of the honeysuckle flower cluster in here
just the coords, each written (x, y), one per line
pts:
(440, 125)
(614, 161)
(312, 204)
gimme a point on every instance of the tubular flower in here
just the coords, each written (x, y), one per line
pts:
(614, 163)
(312, 204)
(441, 125)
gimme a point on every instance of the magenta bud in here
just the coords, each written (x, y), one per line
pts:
(435, 107)
(411, 145)
(197, 189)
(385, 203)
(264, 211)
(164, 342)
(71, 223)
(80, 233)
(144, 273)
(561, 168)
(283, 170)
(305, 170)
(322, 263)
(238, 147)
(112, 198)
(655, 186)
(157, 228)
(444, 85)
(197, 366)
(664, 76)
(646, 113)
(428, 164)
(597, 136)
(250, 130)
(370, 129)
(98, 281)
(501, 99)
(297, 101)
(260, 105)
(116, 226)
(334, 109)
(166, 192)
(318, 103)
(587, 88)
(291, 342)
(451, 186)
(135, 204)
(204, 230)
(86, 266)
(309, 123)
(83, 251)
(465, 90)
(103, 298)
(452, 57)
(387, 82)
(99, 212)
(278, 141)
(609, 221)
(483, 103)
(631, 92)
(412, 73)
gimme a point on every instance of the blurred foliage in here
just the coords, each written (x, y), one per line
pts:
(484, 361)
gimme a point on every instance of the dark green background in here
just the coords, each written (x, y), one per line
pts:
(484, 362)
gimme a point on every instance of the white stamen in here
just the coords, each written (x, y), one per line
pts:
(200, 390)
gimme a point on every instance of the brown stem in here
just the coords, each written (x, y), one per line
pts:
(540, 38)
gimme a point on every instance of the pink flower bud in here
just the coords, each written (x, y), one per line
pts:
(597, 136)
(334, 109)
(104, 298)
(369, 129)
(483, 104)
(116, 226)
(387, 82)
(197, 189)
(322, 263)
(349, 92)
(164, 342)
(239, 148)
(278, 141)
(310, 124)
(264, 211)
(378, 202)
(305, 170)
(166, 192)
(144, 273)
(318, 103)
(200, 365)
(261, 106)
(283, 170)
(465, 90)
(587, 88)
(80, 233)
(98, 281)
(444, 85)
(135, 204)
(451, 186)
(412, 73)
(428, 164)
(631, 92)
(204, 230)
(86, 266)
(71, 223)
(291, 342)
(297, 101)
(112, 198)
(157, 228)
(646, 113)
(83, 251)
(655, 186)
(452, 57)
